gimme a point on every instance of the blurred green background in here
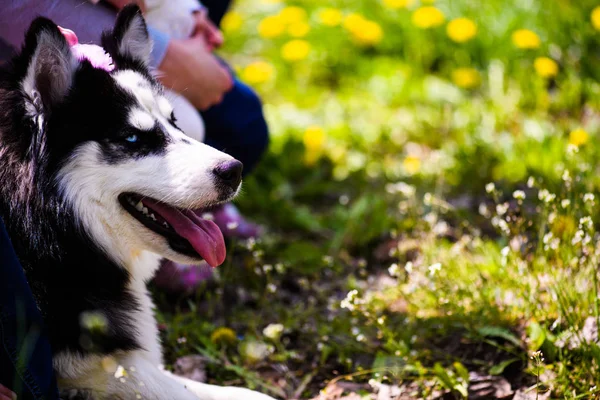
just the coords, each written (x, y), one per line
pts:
(430, 200)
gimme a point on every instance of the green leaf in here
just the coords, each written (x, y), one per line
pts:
(537, 335)
(499, 368)
(443, 376)
(498, 332)
(462, 371)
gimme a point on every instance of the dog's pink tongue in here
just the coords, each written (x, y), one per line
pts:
(204, 236)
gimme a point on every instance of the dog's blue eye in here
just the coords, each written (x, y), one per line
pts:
(132, 138)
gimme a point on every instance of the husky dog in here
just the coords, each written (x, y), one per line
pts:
(97, 185)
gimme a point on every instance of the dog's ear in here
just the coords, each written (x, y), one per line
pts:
(129, 43)
(50, 64)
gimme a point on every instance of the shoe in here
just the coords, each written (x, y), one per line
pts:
(233, 224)
(179, 278)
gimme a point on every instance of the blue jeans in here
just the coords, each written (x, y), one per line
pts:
(237, 126)
(25, 355)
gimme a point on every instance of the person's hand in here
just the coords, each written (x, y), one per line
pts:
(189, 68)
(6, 394)
(119, 4)
(205, 27)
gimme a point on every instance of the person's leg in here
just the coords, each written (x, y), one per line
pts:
(25, 355)
(216, 9)
(237, 126)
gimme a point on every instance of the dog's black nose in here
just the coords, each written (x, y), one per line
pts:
(230, 173)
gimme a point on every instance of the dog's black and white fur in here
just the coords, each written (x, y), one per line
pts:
(74, 140)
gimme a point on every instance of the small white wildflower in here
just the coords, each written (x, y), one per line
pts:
(434, 268)
(501, 209)
(255, 351)
(572, 149)
(427, 199)
(547, 237)
(490, 187)
(565, 203)
(120, 372)
(360, 338)
(181, 340)
(355, 331)
(501, 224)
(519, 195)
(566, 176)
(273, 331)
(589, 198)
(483, 210)
(271, 288)
(505, 251)
(348, 302)
(232, 225)
(530, 182)
(344, 200)
(577, 238)
(441, 228)
(431, 218)
(545, 196)
(393, 269)
(586, 222)
(408, 267)
(401, 187)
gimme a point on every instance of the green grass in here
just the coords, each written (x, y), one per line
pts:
(389, 257)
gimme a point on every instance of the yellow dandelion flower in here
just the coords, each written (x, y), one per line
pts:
(525, 39)
(299, 29)
(232, 21)
(353, 21)
(330, 16)
(270, 27)
(295, 50)
(595, 17)
(411, 164)
(314, 138)
(466, 78)
(461, 30)
(578, 137)
(545, 67)
(258, 72)
(397, 4)
(292, 14)
(427, 1)
(369, 33)
(223, 336)
(428, 17)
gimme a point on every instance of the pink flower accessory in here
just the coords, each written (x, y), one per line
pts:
(96, 55)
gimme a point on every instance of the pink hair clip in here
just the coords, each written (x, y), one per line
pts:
(96, 55)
